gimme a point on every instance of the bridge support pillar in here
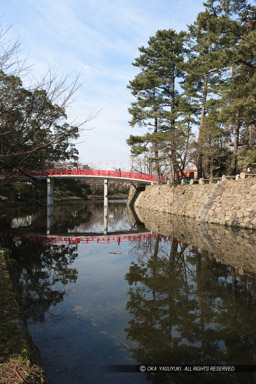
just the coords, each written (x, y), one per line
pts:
(105, 193)
(50, 188)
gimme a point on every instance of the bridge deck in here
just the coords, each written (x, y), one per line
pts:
(90, 173)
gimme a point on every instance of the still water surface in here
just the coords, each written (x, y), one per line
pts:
(155, 290)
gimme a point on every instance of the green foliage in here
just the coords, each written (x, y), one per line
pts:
(247, 159)
(157, 100)
(71, 188)
(64, 189)
(118, 190)
(30, 191)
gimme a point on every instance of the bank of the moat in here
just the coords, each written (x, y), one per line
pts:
(229, 202)
(20, 360)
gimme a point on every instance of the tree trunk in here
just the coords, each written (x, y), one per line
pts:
(233, 167)
(157, 168)
(251, 135)
(201, 128)
(173, 155)
(155, 148)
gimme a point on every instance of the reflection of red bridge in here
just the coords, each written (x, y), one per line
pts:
(91, 173)
(106, 239)
(98, 239)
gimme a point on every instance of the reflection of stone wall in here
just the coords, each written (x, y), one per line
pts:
(230, 202)
(234, 247)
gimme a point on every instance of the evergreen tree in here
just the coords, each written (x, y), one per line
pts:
(206, 69)
(216, 150)
(238, 93)
(242, 90)
(219, 83)
(156, 96)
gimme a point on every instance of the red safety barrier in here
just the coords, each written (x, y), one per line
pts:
(95, 172)
(90, 173)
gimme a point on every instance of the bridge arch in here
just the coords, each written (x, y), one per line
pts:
(51, 174)
(106, 175)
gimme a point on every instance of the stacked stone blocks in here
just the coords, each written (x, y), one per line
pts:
(229, 202)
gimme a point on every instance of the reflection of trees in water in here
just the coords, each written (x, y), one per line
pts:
(7, 216)
(64, 217)
(142, 249)
(188, 309)
(80, 216)
(68, 217)
(41, 270)
(85, 215)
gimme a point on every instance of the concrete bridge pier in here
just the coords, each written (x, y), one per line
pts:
(105, 192)
(50, 189)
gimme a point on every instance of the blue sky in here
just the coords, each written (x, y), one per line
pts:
(98, 39)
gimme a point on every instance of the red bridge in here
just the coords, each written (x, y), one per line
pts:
(51, 174)
(91, 173)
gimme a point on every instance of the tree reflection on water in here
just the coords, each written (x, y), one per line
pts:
(188, 309)
(42, 270)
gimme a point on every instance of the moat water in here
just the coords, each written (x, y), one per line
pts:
(152, 290)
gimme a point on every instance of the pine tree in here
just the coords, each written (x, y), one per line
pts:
(156, 96)
(206, 68)
(238, 93)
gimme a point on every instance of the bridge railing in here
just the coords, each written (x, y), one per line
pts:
(90, 173)
(94, 172)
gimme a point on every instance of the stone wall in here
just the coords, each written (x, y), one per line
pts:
(229, 202)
